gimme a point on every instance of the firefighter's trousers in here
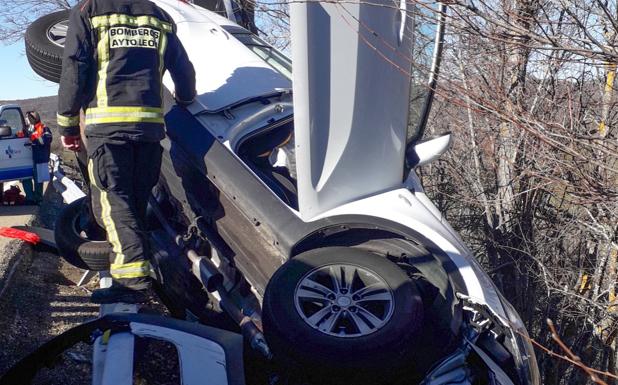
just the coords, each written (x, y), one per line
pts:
(122, 174)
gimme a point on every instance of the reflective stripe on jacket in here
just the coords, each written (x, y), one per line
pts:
(116, 53)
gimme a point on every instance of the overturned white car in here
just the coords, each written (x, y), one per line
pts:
(330, 246)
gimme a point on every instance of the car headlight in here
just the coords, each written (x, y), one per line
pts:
(525, 359)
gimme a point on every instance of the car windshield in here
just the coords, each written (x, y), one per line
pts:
(12, 117)
(274, 58)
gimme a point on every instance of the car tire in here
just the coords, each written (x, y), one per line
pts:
(73, 247)
(44, 44)
(360, 348)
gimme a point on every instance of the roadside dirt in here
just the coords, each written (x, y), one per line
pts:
(42, 302)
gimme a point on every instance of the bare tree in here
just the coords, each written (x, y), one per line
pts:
(15, 16)
(532, 180)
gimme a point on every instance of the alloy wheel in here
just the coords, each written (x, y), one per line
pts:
(344, 300)
(57, 34)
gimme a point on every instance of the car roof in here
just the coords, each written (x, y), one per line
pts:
(10, 106)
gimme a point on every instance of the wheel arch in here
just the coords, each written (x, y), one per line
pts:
(378, 235)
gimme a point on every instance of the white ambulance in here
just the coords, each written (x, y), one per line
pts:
(15, 152)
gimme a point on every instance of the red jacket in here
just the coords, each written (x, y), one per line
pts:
(37, 133)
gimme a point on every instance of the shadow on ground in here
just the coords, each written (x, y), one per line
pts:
(42, 302)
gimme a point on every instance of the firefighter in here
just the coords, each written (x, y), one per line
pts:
(116, 52)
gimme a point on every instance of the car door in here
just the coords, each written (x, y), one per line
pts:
(351, 94)
(15, 153)
(355, 65)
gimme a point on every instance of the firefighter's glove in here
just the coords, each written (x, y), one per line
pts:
(182, 103)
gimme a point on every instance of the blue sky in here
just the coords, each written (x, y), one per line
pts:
(17, 80)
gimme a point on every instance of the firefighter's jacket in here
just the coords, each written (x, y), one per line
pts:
(115, 55)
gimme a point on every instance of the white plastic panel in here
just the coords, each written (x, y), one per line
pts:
(65, 186)
(118, 366)
(202, 362)
(351, 91)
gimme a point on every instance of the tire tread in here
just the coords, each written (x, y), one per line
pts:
(44, 57)
(79, 252)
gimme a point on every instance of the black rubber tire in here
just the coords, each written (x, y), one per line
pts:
(368, 359)
(45, 57)
(78, 251)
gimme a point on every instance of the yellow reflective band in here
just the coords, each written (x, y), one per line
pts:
(130, 275)
(128, 119)
(110, 228)
(162, 48)
(106, 336)
(103, 57)
(105, 21)
(124, 115)
(91, 172)
(67, 121)
(108, 222)
(131, 265)
(113, 109)
(130, 270)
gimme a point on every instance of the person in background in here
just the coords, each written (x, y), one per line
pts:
(40, 139)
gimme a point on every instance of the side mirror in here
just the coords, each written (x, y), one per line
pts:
(427, 151)
(5, 131)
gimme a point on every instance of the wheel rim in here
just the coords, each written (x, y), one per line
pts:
(344, 300)
(57, 34)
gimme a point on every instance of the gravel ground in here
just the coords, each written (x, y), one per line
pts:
(43, 301)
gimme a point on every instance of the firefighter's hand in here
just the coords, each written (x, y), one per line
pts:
(72, 143)
(183, 103)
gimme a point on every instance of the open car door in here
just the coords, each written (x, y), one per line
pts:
(15, 152)
(359, 70)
